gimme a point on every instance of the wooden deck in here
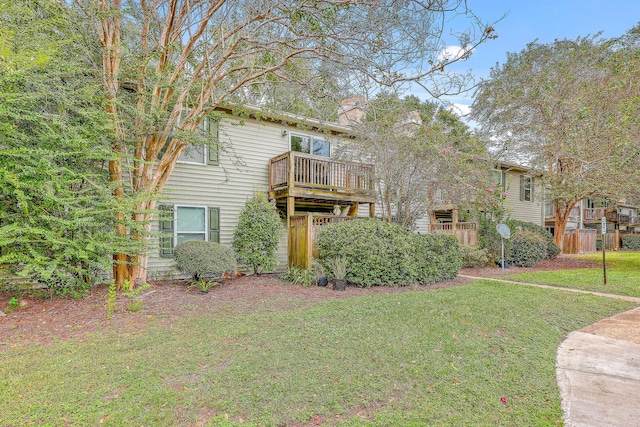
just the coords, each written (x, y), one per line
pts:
(594, 215)
(309, 177)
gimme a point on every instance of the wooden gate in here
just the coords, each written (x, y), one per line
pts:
(579, 241)
(303, 230)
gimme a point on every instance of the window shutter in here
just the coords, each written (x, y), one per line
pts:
(532, 187)
(522, 188)
(213, 143)
(214, 225)
(166, 231)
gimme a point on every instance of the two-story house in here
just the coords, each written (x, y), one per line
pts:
(286, 156)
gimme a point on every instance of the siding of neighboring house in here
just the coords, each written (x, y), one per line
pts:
(529, 211)
(226, 186)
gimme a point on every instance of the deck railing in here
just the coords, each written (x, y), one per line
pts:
(550, 212)
(466, 232)
(595, 214)
(293, 169)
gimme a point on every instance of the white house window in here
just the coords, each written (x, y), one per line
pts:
(498, 177)
(193, 154)
(198, 154)
(190, 223)
(309, 145)
(180, 223)
(526, 188)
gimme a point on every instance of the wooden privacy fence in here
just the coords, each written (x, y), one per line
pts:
(611, 240)
(303, 230)
(579, 241)
(466, 232)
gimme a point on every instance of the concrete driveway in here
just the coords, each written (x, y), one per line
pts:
(598, 373)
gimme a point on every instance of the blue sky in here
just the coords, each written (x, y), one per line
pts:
(545, 20)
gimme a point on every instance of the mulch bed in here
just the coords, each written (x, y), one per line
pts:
(51, 320)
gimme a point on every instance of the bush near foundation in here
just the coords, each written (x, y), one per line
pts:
(200, 259)
(474, 256)
(382, 253)
(527, 249)
(631, 242)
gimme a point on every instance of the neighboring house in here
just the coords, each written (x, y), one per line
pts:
(523, 201)
(588, 214)
(287, 156)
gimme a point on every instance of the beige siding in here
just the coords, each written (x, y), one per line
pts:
(243, 170)
(523, 210)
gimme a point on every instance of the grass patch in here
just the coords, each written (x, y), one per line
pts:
(622, 275)
(417, 358)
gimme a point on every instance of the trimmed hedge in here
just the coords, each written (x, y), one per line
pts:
(527, 249)
(552, 249)
(382, 253)
(200, 259)
(631, 242)
(474, 256)
(437, 257)
(488, 237)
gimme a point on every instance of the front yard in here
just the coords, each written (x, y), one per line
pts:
(622, 274)
(267, 353)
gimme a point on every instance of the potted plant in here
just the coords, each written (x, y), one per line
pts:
(338, 268)
(321, 278)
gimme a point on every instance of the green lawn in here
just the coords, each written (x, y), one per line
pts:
(443, 357)
(623, 275)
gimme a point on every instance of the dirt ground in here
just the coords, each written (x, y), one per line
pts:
(50, 320)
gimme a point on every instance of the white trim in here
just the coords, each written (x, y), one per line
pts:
(175, 222)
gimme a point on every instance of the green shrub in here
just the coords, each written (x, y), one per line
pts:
(488, 237)
(631, 242)
(257, 235)
(437, 257)
(474, 256)
(376, 251)
(599, 244)
(200, 259)
(382, 253)
(552, 249)
(527, 249)
(299, 276)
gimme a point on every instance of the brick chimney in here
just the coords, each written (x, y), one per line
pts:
(351, 110)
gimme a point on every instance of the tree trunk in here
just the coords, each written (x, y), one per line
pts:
(560, 225)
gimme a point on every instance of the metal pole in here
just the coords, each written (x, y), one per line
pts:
(502, 239)
(604, 240)
(604, 261)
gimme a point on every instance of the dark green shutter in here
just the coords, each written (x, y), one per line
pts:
(213, 143)
(214, 225)
(166, 231)
(522, 188)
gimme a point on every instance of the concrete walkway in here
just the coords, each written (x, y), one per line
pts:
(598, 368)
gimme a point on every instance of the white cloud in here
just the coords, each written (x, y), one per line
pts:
(451, 53)
(460, 110)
